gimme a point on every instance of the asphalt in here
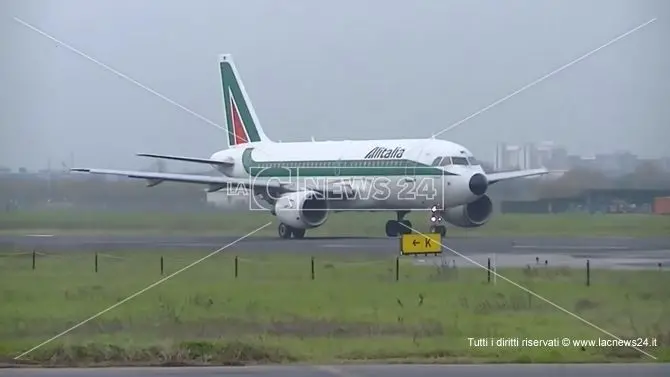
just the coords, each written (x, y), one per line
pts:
(609, 252)
(504, 370)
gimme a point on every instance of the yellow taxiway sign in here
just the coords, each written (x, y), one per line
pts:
(428, 243)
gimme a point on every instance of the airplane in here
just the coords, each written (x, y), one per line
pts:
(303, 182)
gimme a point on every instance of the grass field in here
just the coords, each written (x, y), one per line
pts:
(353, 310)
(341, 224)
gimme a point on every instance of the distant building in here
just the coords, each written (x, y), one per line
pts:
(579, 162)
(665, 164)
(537, 156)
(531, 156)
(611, 164)
(508, 157)
(559, 159)
(607, 164)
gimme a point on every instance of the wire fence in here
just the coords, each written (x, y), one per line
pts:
(275, 267)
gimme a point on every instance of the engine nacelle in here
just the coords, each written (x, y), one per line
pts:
(471, 215)
(302, 210)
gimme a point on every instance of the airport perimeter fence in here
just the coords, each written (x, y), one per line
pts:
(299, 268)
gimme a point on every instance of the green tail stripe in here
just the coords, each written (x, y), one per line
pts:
(228, 77)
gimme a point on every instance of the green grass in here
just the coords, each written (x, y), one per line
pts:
(354, 310)
(340, 224)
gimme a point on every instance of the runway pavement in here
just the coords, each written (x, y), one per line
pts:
(498, 370)
(506, 251)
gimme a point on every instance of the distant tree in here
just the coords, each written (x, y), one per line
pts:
(94, 193)
(648, 175)
(573, 182)
(23, 170)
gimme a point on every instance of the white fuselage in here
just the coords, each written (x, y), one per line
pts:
(402, 174)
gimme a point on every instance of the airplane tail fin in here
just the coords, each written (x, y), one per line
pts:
(242, 123)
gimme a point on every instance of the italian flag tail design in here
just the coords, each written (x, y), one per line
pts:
(241, 122)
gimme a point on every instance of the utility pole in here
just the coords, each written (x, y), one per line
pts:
(49, 179)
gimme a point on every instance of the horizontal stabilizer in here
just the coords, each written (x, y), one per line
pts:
(187, 159)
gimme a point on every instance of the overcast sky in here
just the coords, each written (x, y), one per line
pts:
(351, 69)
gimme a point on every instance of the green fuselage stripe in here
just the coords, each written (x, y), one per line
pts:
(335, 168)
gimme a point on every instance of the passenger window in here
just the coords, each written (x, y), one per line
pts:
(436, 162)
(446, 161)
(459, 160)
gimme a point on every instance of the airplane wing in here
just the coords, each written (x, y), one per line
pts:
(215, 182)
(187, 159)
(502, 176)
(218, 182)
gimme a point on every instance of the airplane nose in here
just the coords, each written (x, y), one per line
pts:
(478, 184)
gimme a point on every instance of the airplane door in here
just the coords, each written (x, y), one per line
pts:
(410, 169)
(338, 167)
(422, 183)
(338, 164)
(411, 162)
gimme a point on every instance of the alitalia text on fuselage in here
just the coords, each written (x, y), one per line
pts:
(382, 152)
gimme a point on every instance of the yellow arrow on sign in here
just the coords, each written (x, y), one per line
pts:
(430, 243)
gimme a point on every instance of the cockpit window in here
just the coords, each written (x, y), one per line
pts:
(436, 162)
(446, 161)
(459, 161)
(473, 161)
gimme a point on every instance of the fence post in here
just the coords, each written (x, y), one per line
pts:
(488, 271)
(236, 267)
(34, 259)
(162, 265)
(397, 268)
(588, 273)
(96, 261)
(312, 268)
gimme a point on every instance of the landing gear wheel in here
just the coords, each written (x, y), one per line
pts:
(284, 231)
(395, 228)
(438, 229)
(298, 233)
(392, 228)
(405, 227)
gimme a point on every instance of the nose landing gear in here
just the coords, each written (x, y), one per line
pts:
(437, 221)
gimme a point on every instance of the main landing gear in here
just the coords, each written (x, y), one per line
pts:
(436, 221)
(286, 231)
(400, 226)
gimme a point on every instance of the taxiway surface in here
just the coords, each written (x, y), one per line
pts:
(550, 370)
(603, 252)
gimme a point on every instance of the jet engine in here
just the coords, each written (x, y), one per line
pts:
(302, 210)
(471, 215)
